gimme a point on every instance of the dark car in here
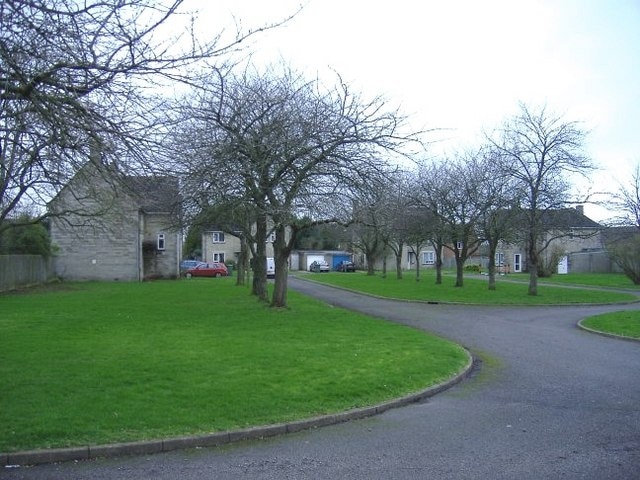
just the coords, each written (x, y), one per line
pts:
(345, 266)
(213, 269)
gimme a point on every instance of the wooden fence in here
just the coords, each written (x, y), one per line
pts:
(592, 262)
(24, 270)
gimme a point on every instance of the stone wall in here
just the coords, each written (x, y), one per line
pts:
(107, 252)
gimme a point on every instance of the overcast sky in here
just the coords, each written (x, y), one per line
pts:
(465, 64)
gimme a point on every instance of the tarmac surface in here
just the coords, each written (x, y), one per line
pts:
(548, 400)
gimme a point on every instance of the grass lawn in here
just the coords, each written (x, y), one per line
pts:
(474, 291)
(94, 363)
(625, 323)
(609, 280)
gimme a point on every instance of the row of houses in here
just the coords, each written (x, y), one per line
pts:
(578, 247)
(137, 235)
(221, 246)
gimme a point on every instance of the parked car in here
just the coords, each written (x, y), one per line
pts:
(214, 269)
(345, 266)
(271, 267)
(187, 264)
(317, 266)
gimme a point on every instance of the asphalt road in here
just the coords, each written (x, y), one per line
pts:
(548, 401)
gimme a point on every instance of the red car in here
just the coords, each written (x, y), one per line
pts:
(214, 269)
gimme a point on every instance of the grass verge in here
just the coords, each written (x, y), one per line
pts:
(98, 363)
(474, 291)
(624, 323)
(607, 280)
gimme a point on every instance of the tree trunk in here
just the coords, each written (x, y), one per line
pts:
(247, 265)
(384, 265)
(417, 269)
(533, 271)
(459, 271)
(533, 280)
(370, 264)
(492, 266)
(259, 266)
(243, 263)
(399, 265)
(281, 260)
(438, 250)
(279, 297)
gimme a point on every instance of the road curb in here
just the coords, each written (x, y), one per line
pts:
(606, 334)
(56, 455)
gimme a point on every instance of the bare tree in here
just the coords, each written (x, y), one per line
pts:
(540, 151)
(285, 145)
(399, 215)
(368, 228)
(626, 201)
(437, 241)
(428, 195)
(497, 225)
(499, 197)
(419, 233)
(464, 204)
(454, 192)
(381, 221)
(622, 239)
(75, 76)
(623, 246)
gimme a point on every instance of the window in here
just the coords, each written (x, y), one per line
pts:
(271, 238)
(499, 259)
(428, 258)
(459, 245)
(218, 257)
(217, 237)
(517, 262)
(161, 243)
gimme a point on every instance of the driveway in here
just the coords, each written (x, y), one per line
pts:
(548, 401)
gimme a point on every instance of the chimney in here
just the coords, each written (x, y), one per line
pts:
(580, 209)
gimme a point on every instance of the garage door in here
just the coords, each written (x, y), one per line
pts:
(339, 258)
(314, 258)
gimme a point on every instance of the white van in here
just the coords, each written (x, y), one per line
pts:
(271, 267)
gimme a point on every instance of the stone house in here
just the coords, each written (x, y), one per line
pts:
(108, 226)
(220, 245)
(575, 244)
